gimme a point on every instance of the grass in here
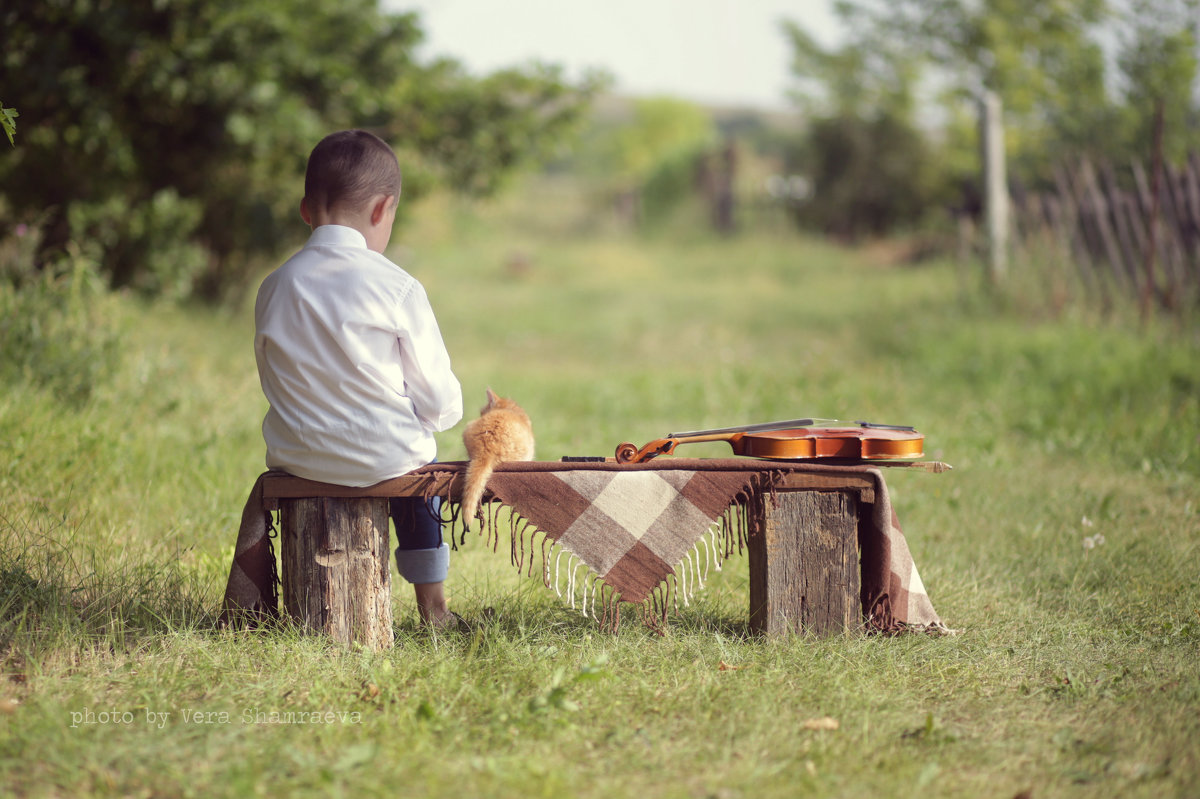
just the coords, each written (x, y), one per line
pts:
(1074, 673)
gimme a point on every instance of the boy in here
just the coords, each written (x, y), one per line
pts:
(350, 356)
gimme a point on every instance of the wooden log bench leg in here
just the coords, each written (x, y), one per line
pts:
(336, 568)
(804, 564)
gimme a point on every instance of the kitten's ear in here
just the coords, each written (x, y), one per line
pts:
(492, 398)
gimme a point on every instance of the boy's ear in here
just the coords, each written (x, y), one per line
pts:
(380, 208)
(304, 214)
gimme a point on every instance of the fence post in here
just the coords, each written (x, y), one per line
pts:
(995, 183)
(1152, 222)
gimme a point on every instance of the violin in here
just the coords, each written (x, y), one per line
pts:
(796, 439)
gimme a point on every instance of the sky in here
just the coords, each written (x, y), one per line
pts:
(728, 52)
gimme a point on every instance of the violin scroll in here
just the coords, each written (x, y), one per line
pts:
(626, 452)
(631, 453)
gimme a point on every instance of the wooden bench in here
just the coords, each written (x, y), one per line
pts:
(804, 567)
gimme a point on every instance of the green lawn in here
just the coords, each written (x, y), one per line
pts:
(1063, 546)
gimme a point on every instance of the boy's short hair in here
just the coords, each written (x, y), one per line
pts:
(348, 168)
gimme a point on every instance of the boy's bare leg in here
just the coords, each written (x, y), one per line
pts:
(431, 602)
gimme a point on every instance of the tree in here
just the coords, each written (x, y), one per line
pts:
(1048, 60)
(168, 137)
(867, 161)
(868, 75)
(1013, 47)
(1160, 63)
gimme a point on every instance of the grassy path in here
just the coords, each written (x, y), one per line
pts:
(1064, 547)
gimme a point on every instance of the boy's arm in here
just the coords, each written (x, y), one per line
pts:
(428, 379)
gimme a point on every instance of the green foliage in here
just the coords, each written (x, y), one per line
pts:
(648, 154)
(152, 247)
(58, 328)
(628, 148)
(869, 76)
(8, 122)
(870, 166)
(669, 185)
(662, 130)
(1013, 47)
(191, 120)
(471, 134)
(1160, 63)
(869, 176)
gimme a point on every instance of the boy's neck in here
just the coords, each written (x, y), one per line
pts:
(322, 217)
(374, 223)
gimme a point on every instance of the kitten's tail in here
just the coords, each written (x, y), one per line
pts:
(478, 472)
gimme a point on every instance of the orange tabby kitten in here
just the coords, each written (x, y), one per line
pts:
(502, 432)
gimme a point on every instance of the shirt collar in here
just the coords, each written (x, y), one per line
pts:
(336, 235)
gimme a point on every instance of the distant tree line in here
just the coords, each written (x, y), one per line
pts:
(167, 139)
(1077, 78)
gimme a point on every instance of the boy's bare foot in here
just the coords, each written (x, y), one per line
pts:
(449, 621)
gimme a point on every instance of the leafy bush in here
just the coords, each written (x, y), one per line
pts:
(148, 246)
(58, 328)
(870, 176)
(669, 186)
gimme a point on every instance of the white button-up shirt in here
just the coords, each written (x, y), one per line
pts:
(352, 363)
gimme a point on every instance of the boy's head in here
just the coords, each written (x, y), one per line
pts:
(352, 178)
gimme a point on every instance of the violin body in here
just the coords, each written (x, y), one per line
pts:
(863, 441)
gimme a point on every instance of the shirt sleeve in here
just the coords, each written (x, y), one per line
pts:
(428, 379)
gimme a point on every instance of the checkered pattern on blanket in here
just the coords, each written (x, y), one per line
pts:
(631, 528)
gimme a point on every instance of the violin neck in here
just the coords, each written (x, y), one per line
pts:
(789, 424)
(700, 436)
(752, 428)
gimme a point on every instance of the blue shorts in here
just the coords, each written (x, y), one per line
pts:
(421, 554)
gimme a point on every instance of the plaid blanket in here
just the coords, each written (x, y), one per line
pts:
(640, 529)
(642, 533)
(251, 591)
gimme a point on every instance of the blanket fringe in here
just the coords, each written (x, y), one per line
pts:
(729, 535)
(582, 590)
(692, 572)
(585, 591)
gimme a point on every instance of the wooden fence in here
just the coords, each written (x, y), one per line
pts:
(1124, 236)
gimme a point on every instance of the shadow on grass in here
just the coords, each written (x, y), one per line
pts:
(54, 592)
(531, 609)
